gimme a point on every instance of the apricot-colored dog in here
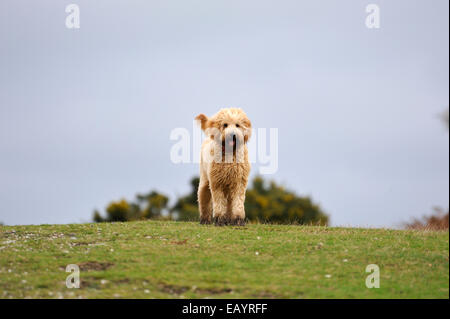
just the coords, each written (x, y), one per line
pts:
(224, 167)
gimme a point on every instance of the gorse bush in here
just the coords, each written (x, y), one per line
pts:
(269, 202)
(438, 220)
(186, 207)
(265, 202)
(148, 206)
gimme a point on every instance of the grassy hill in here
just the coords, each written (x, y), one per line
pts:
(155, 259)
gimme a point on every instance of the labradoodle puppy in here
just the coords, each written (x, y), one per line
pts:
(224, 167)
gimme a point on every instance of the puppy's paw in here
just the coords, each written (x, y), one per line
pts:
(205, 220)
(221, 221)
(238, 221)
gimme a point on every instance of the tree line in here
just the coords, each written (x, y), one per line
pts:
(266, 201)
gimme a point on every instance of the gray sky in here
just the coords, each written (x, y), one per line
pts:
(85, 115)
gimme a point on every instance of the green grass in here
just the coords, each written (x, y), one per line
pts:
(155, 259)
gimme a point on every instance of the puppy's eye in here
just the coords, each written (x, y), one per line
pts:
(237, 125)
(225, 125)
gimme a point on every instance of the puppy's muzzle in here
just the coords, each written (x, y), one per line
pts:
(229, 143)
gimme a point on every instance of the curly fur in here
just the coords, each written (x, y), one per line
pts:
(224, 167)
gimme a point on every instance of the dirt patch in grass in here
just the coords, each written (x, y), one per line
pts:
(181, 242)
(122, 281)
(80, 243)
(178, 290)
(90, 282)
(213, 291)
(94, 265)
(172, 289)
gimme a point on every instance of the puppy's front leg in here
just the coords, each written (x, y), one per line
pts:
(237, 207)
(219, 207)
(204, 202)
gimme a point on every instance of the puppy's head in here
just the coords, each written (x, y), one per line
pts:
(230, 127)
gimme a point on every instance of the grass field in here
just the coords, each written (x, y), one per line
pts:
(155, 259)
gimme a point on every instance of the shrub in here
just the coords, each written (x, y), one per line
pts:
(265, 202)
(436, 221)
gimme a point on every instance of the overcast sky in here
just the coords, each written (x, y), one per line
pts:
(86, 114)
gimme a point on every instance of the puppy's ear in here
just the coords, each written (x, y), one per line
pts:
(202, 119)
(248, 130)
